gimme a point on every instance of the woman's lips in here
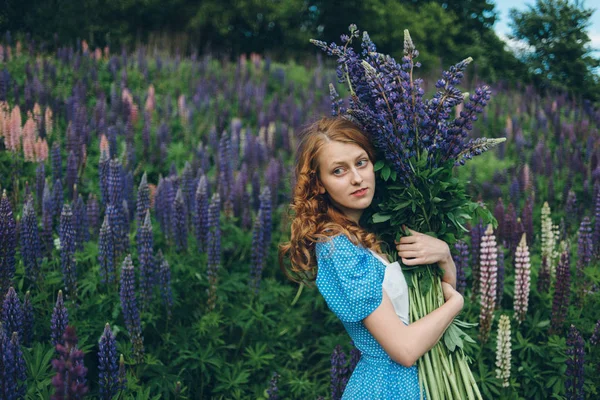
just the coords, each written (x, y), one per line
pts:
(359, 193)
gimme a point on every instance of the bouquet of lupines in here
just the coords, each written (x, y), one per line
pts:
(418, 145)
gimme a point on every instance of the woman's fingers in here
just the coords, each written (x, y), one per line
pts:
(409, 254)
(413, 261)
(407, 240)
(408, 247)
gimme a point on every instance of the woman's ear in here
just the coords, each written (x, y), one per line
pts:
(321, 190)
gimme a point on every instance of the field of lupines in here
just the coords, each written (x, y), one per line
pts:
(143, 196)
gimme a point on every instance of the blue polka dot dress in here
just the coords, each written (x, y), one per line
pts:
(350, 279)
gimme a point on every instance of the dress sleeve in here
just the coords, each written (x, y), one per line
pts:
(349, 280)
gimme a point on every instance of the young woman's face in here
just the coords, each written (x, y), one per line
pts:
(347, 176)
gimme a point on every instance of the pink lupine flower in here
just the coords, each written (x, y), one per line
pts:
(48, 121)
(41, 150)
(29, 134)
(488, 279)
(14, 138)
(522, 280)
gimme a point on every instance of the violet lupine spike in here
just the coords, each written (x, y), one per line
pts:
(527, 219)
(272, 391)
(596, 234)
(147, 262)
(562, 291)
(339, 373)
(522, 280)
(179, 222)
(28, 320)
(47, 213)
(488, 282)
(266, 208)
(165, 284)
(201, 214)
(115, 221)
(214, 248)
(8, 244)
(585, 250)
(82, 230)
(69, 381)
(67, 250)
(476, 234)
(108, 375)
(12, 313)
(115, 183)
(56, 162)
(143, 200)
(575, 365)
(129, 305)
(93, 213)
(106, 253)
(12, 367)
(59, 320)
(510, 225)
(461, 260)
(500, 279)
(57, 198)
(515, 191)
(30, 241)
(104, 172)
(187, 186)
(258, 252)
(40, 183)
(71, 178)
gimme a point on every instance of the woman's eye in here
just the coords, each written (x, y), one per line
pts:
(364, 162)
(337, 171)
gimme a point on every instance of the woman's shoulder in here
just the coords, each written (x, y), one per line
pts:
(338, 244)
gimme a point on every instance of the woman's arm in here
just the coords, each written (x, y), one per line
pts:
(406, 344)
(422, 249)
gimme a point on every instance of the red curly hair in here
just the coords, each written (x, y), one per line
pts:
(315, 218)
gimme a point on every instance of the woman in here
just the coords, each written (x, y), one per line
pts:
(335, 183)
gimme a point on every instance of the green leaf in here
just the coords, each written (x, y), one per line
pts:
(378, 165)
(385, 173)
(378, 218)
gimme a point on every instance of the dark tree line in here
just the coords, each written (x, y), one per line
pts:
(445, 32)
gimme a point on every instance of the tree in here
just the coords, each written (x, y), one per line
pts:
(560, 56)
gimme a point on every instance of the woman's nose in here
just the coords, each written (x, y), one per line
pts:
(356, 176)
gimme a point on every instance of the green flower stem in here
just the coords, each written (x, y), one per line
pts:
(449, 372)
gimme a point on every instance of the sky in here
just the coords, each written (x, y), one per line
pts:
(502, 29)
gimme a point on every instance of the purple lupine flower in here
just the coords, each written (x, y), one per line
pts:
(106, 253)
(59, 320)
(258, 252)
(107, 364)
(12, 313)
(239, 190)
(8, 243)
(57, 198)
(40, 183)
(147, 262)
(12, 367)
(500, 279)
(527, 219)
(510, 225)
(201, 214)
(71, 178)
(585, 249)
(56, 162)
(179, 222)
(265, 207)
(273, 178)
(499, 215)
(115, 182)
(255, 183)
(115, 221)
(47, 212)
(28, 320)
(339, 377)
(596, 234)
(214, 248)
(165, 283)
(93, 213)
(131, 314)
(355, 356)
(522, 280)
(272, 391)
(461, 260)
(30, 241)
(575, 364)
(143, 200)
(515, 191)
(82, 230)
(67, 250)
(187, 186)
(596, 335)
(69, 381)
(571, 205)
(104, 172)
(562, 292)
(488, 282)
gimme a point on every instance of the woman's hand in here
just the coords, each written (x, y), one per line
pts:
(421, 249)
